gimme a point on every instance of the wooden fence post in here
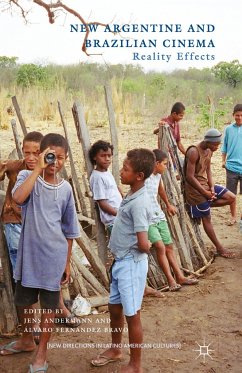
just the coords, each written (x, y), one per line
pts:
(83, 136)
(16, 138)
(19, 115)
(73, 170)
(191, 250)
(8, 314)
(113, 131)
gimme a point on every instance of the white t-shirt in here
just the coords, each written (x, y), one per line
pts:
(103, 186)
(152, 187)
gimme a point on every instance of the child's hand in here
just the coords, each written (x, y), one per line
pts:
(171, 210)
(41, 164)
(66, 276)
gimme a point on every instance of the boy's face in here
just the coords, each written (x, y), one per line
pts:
(161, 166)
(178, 116)
(103, 159)
(238, 117)
(61, 156)
(127, 174)
(31, 150)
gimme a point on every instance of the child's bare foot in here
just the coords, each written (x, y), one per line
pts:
(173, 286)
(150, 292)
(130, 369)
(226, 254)
(188, 281)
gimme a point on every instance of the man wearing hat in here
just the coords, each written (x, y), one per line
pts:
(200, 192)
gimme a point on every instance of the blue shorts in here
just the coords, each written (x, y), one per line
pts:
(12, 233)
(128, 284)
(203, 209)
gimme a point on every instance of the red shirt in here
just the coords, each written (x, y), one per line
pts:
(175, 128)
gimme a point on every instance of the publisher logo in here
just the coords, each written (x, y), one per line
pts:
(204, 351)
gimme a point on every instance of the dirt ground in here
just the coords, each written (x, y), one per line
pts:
(197, 329)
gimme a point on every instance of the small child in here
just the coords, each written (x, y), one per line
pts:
(103, 186)
(173, 120)
(49, 225)
(159, 233)
(129, 245)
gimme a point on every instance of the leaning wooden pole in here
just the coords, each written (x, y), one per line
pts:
(8, 314)
(16, 139)
(192, 251)
(83, 137)
(113, 132)
(19, 115)
(73, 169)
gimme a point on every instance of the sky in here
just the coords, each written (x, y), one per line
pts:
(42, 43)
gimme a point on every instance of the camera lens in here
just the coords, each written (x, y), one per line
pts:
(50, 158)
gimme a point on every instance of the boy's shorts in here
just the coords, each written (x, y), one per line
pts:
(12, 233)
(203, 209)
(232, 181)
(160, 232)
(128, 284)
(25, 296)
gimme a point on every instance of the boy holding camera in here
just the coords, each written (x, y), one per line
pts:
(49, 225)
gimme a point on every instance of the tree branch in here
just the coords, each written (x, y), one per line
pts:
(50, 9)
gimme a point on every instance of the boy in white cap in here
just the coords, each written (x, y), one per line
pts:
(200, 192)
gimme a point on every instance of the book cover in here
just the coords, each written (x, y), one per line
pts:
(152, 55)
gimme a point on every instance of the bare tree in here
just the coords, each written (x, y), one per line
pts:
(53, 9)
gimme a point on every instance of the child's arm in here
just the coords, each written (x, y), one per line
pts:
(162, 193)
(210, 180)
(224, 156)
(224, 149)
(67, 272)
(23, 191)
(106, 207)
(156, 130)
(181, 147)
(143, 242)
(3, 169)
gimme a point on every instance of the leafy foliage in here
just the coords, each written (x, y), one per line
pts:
(8, 62)
(229, 72)
(211, 116)
(33, 75)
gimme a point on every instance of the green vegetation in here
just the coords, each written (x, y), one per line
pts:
(138, 96)
(29, 75)
(229, 72)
